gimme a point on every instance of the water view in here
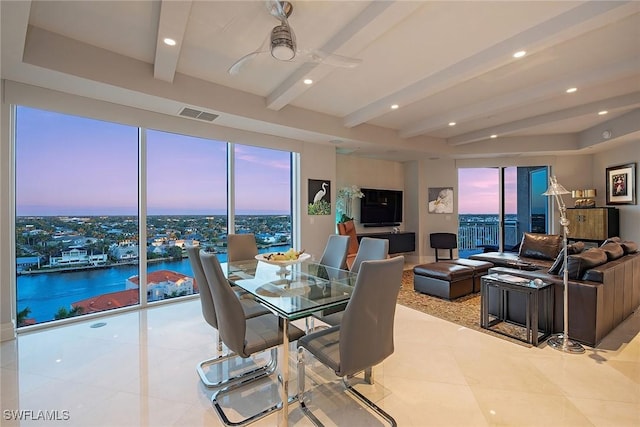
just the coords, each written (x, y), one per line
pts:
(63, 261)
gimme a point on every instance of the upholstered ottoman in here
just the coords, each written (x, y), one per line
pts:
(480, 268)
(444, 280)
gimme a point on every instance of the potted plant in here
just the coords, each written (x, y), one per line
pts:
(344, 203)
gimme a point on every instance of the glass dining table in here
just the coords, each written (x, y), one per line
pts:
(291, 293)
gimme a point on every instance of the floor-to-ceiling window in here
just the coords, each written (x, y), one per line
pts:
(76, 215)
(262, 189)
(497, 205)
(186, 199)
(78, 186)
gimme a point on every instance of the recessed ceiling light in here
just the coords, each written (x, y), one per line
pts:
(169, 42)
(395, 106)
(308, 81)
(602, 113)
(494, 136)
(452, 123)
(519, 54)
(572, 89)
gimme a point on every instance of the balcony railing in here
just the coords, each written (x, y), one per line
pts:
(474, 235)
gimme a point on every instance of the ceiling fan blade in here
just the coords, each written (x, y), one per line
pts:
(235, 68)
(334, 59)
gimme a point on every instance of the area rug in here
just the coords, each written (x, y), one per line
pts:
(464, 311)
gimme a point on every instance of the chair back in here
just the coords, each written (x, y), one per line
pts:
(241, 247)
(370, 249)
(206, 299)
(366, 331)
(348, 228)
(443, 241)
(335, 252)
(231, 319)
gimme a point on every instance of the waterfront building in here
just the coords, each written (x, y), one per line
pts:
(77, 257)
(107, 301)
(124, 251)
(24, 263)
(163, 284)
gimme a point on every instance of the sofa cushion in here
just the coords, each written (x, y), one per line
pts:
(629, 247)
(613, 250)
(579, 263)
(540, 246)
(615, 239)
(572, 248)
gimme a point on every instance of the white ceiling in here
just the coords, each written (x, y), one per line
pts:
(440, 61)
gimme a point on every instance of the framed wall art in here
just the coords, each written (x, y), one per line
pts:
(319, 197)
(621, 184)
(441, 200)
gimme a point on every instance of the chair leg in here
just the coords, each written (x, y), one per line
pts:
(309, 324)
(267, 369)
(221, 414)
(301, 387)
(369, 403)
(368, 375)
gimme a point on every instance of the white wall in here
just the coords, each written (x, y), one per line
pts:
(7, 258)
(621, 154)
(317, 162)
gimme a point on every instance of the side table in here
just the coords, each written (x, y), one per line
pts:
(535, 293)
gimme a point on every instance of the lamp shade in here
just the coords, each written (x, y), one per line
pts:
(555, 189)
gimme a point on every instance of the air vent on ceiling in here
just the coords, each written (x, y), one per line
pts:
(198, 114)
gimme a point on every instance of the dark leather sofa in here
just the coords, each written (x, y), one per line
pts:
(604, 282)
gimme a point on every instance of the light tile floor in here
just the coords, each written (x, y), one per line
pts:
(138, 370)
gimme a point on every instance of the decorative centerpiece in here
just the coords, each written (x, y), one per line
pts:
(283, 259)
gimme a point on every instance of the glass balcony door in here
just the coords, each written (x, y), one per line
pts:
(497, 205)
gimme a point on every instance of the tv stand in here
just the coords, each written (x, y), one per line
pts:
(382, 224)
(400, 242)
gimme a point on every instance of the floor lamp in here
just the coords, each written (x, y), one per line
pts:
(561, 341)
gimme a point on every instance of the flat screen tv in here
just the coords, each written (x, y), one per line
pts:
(379, 208)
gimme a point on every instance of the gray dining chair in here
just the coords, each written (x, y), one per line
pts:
(241, 247)
(244, 336)
(364, 338)
(334, 257)
(370, 249)
(335, 252)
(250, 309)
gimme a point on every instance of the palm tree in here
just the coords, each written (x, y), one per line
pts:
(22, 316)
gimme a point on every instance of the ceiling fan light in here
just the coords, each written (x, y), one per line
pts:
(282, 47)
(282, 52)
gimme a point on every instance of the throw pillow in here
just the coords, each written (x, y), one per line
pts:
(572, 248)
(579, 263)
(613, 250)
(629, 247)
(540, 246)
(615, 239)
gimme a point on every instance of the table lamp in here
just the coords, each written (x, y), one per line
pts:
(561, 341)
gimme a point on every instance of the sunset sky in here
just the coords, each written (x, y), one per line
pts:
(67, 165)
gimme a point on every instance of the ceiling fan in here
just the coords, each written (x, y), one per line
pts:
(281, 42)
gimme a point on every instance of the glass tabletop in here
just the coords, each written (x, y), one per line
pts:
(295, 292)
